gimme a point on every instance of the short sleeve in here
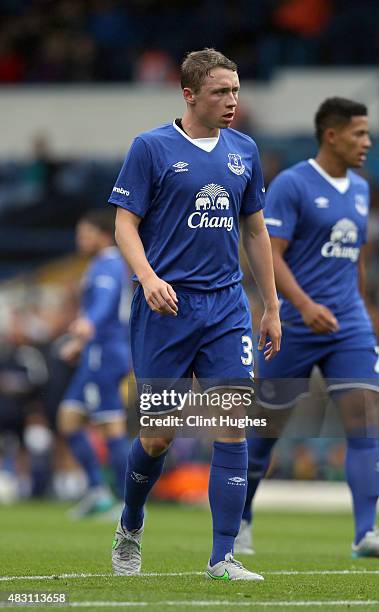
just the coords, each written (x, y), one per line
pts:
(281, 212)
(133, 187)
(254, 196)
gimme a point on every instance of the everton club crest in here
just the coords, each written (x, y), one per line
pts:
(235, 163)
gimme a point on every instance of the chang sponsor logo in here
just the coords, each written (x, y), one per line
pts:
(343, 236)
(210, 201)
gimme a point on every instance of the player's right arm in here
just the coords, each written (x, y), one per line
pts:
(159, 295)
(316, 316)
(133, 194)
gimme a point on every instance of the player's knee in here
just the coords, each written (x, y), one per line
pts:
(155, 446)
(68, 422)
(114, 429)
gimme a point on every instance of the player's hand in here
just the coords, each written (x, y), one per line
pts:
(270, 327)
(319, 318)
(83, 329)
(70, 350)
(160, 296)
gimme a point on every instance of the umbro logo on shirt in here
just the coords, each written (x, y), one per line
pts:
(180, 166)
(322, 202)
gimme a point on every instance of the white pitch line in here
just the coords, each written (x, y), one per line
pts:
(231, 604)
(319, 572)
(168, 574)
(52, 577)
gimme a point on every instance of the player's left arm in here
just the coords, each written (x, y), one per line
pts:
(257, 246)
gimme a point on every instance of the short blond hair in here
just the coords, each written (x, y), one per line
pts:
(198, 64)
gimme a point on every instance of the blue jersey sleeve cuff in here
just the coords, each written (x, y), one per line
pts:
(127, 206)
(246, 213)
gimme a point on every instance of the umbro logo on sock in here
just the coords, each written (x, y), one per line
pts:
(139, 477)
(237, 481)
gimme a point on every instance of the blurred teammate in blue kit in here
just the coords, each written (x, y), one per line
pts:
(100, 336)
(316, 216)
(180, 196)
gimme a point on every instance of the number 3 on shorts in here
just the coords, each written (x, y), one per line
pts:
(247, 347)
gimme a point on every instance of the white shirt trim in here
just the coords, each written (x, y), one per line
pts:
(342, 184)
(206, 144)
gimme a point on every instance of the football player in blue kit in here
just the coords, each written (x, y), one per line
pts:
(100, 337)
(316, 215)
(180, 196)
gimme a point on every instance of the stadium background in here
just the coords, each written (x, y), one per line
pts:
(78, 80)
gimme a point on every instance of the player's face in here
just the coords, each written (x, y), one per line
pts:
(352, 142)
(216, 101)
(87, 238)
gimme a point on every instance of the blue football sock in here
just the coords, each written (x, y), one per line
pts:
(142, 473)
(83, 452)
(40, 472)
(227, 492)
(118, 449)
(362, 459)
(259, 455)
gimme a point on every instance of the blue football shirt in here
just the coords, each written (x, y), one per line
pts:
(326, 230)
(105, 295)
(190, 201)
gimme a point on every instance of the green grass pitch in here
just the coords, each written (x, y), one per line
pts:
(304, 557)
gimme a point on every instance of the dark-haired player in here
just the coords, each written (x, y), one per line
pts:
(316, 215)
(100, 336)
(180, 195)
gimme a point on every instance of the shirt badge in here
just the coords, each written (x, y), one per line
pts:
(235, 163)
(361, 204)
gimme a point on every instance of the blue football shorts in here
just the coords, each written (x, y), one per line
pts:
(346, 362)
(94, 389)
(211, 337)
